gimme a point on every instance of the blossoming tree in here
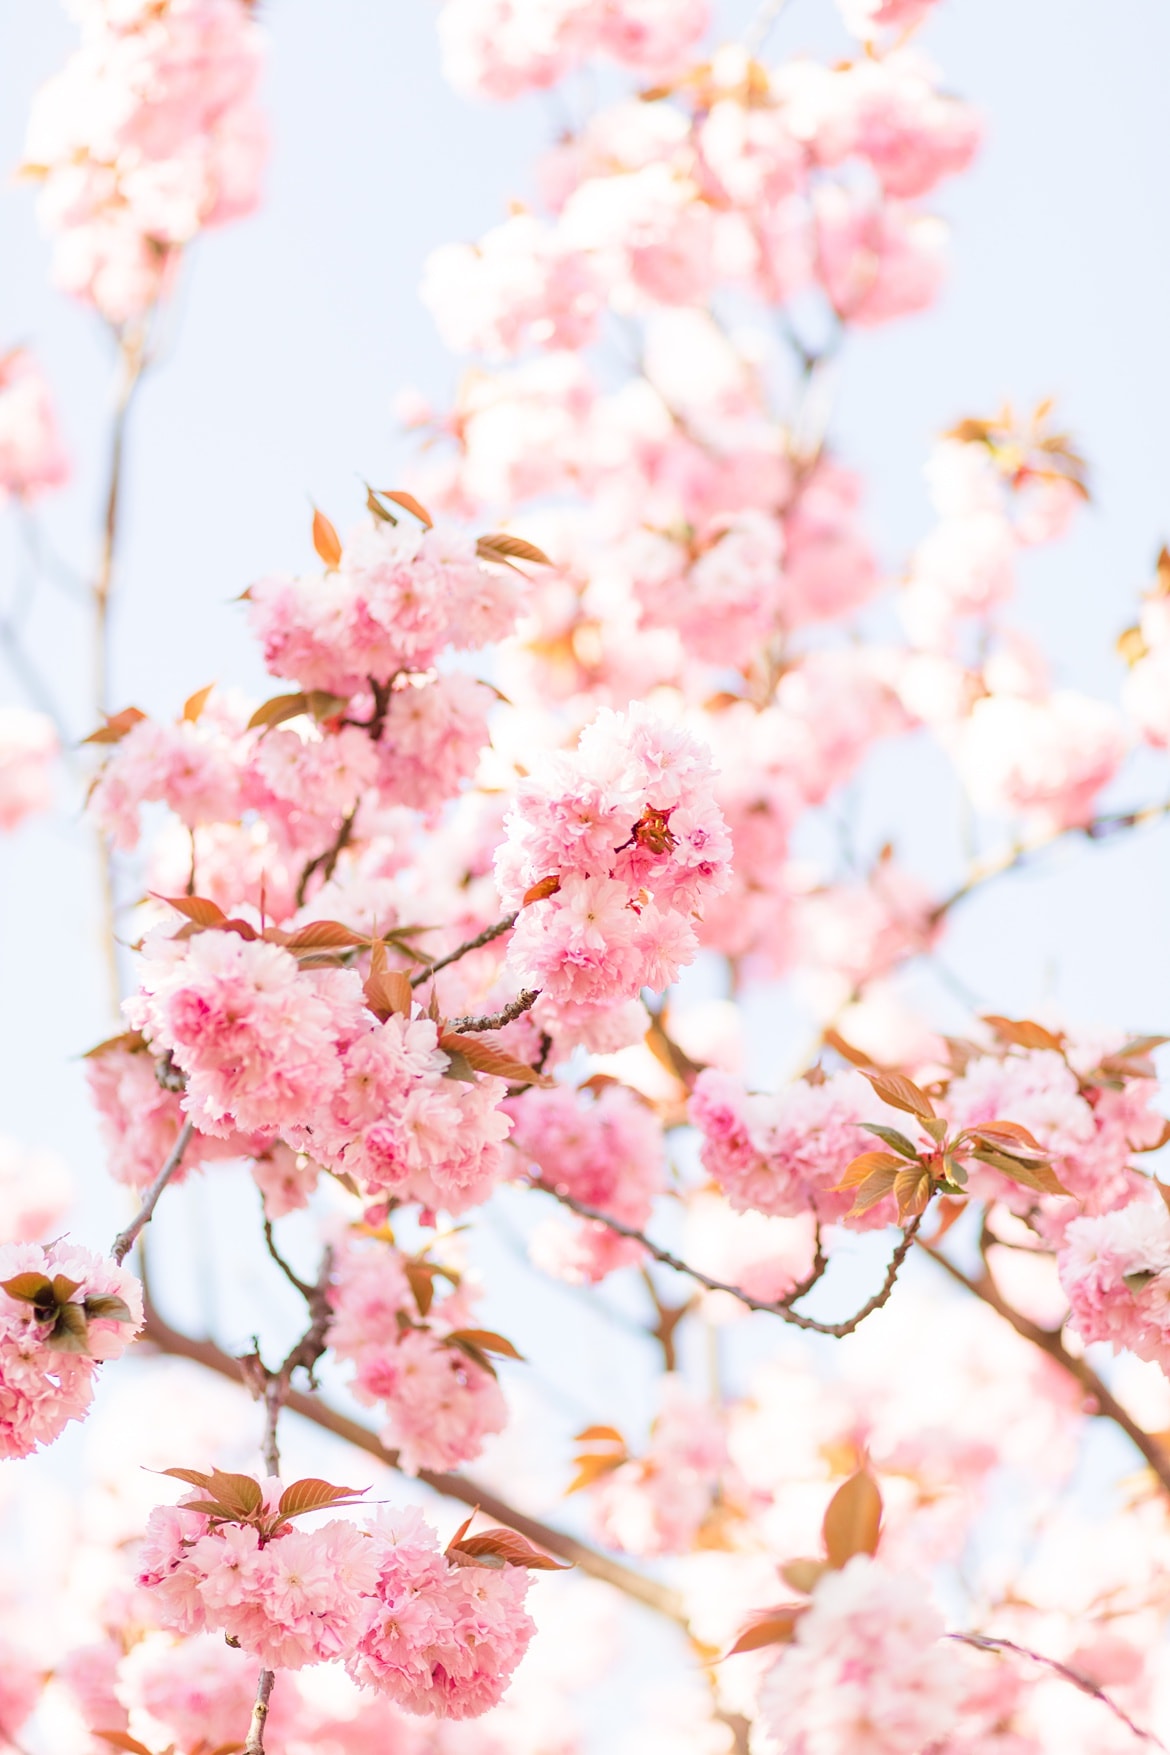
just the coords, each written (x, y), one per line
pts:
(401, 947)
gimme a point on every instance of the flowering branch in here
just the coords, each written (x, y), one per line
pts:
(984, 1642)
(124, 1241)
(516, 1008)
(647, 1591)
(255, 1743)
(472, 944)
(768, 1307)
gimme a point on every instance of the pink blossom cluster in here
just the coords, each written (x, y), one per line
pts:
(276, 1051)
(63, 1310)
(627, 843)
(867, 1671)
(784, 1154)
(1115, 1269)
(500, 48)
(28, 752)
(139, 1117)
(32, 456)
(436, 1635)
(150, 133)
(604, 1147)
(436, 1401)
(657, 1503)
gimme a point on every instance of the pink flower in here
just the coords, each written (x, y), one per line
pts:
(517, 287)
(32, 457)
(28, 752)
(656, 1503)
(1046, 760)
(876, 260)
(1115, 1269)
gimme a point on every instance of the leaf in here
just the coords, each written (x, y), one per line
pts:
(120, 1740)
(540, 892)
(458, 1067)
(29, 1288)
(198, 909)
(593, 1466)
(326, 541)
(388, 991)
(129, 1042)
(70, 1331)
(105, 1307)
(1040, 1177)
(834, 1040)
(501, 1547)
(853, 1519)
(421, 1279)
(278, 709)
(323, 705)
(239, 1492)
(771, 1627)
(462, 1530)
(194, 704)
(912, 1191)
(609, 1433)
(504, 548)
(1155, 1145)
(867, 1165)
(408, 504)
(324, 935)
(1022, 1032)
(1140, 1045)
(872, 1190)
(1138, 1278)
(311, 1494)
(892, 1138)
(374, 505)
(936, 1127)
(193, 1477)
(486, 1058)
(804, 1575)
(1009, 1137)
(901, 1093)
(64, 1288)
(486, 1341)
(116, 727)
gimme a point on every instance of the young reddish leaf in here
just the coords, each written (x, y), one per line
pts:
(278, 709)
(194, 704)
(323, 705)
(374, 505)
(770, 1627)
(116, 727)
(120, 1740)
(1010, 1135)
(501, 1547)
(609, 1433)
(947, 1211)
(875, 1188)
(906, 1148)
(324, 935)
(912, 1191)
(1023, 1033)
(1040, 1177)
(70, 1331)
(29, 1288)
(462, 1530)
(241, 1493)
(853, 1519)
(326, 541)
(198, 909)
(420, 1276)
(540, 892)
(408, 504)
(486, 1058)
(193, 1477)
(106, 1307)
(834, 1040)
(804, 1575)
(64, 1288)
(501, 547)
(388, 991)
(129, 1042)
(593, 1466)
(867, 1165)
(311, 1494)
(1139, 1046)
(485, 1341)
(901, 1093)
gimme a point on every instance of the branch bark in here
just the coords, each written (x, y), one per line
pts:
(125, 1240)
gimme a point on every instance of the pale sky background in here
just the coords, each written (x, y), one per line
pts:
(295, 329)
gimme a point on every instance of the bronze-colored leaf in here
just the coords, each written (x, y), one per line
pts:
(853, 1519)
(1040, 1177)
(420, 1277)
(486, 1340)
(912, 1191)
(833, 1039)
(120, 1740)
(1023, 1033)
(609, 1433)
(901, 1093)
(326, 541)
(128, 1042)
(323, 705)
(486, 1058)
(388, 991)
(193, 1477)
(64, 1288)
(892, 1137)
(198, 909)
(804, 1575)
(501, 1547)
(116, 727)
(30, 1288)
(324, 935)
(105, 1307)
(1009, 1137)
(278, 709)
(875, 1188)
(867, 1165)
(502, 547)
(70, 1331)
(312, 1494)
(540, 892)
(241, 1493)
(770, 1627)
(593, 1466)
(194, 704)
(409, 504)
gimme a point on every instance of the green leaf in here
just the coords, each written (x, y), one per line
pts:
(108, 1308)
(29, 1288)
(1139, 1278)
(892, 1138)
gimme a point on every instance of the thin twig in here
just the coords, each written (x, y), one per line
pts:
(647, 1591)
(516, 1008)
(124, 1241)
(984, 1642)
(760, 28)
(326, 862)
(264, 1687)
(292, 1277)
(472, 944)
(767, 1307)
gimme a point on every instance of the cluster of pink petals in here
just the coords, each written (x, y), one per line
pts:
(628, 827)
(1043, 760)
(150, 133)
(785, 1154)
(656, 1503)
(437, 1404)
(500, 48)
(399, 596)
(434, 1636)
(43, 1388)
(1115, 1269)
(605, 1149)
(32, 457)
(868, 1670)
(28, 751)
(139, 1119)
(20, 1687)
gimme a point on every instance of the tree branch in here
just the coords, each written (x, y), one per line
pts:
(472, 944)
(778, 1307)
(523, 1002)
(124, 1241)
(264, 1687)
(326, 863)
(984, 1642)
(647, 1591)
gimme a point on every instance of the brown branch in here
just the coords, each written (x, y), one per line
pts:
(264, 1687)
(523, 1002)
(326, 862)
(984, 1642)
(647, 1591)
(124, 1241)
(472, 944)
(768, 1307)
(1049, 1341)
